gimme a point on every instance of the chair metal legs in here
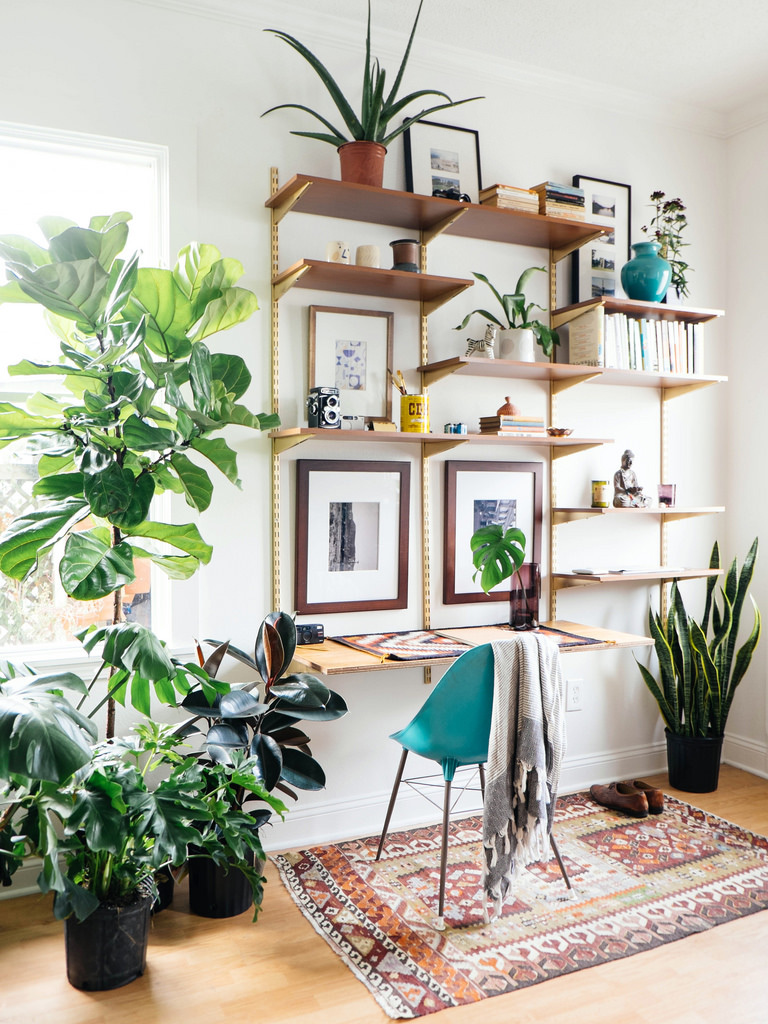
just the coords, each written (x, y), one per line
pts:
(559, 860)
(444, 848)
(398, 779)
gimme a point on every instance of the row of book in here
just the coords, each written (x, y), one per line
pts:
(548, 198)
(616, 340)
(519, 424)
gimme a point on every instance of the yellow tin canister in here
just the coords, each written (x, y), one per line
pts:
(414, 414)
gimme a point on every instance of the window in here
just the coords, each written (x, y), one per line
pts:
(48, 172)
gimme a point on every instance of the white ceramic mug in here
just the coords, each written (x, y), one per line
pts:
(337, 252)
(367, 256)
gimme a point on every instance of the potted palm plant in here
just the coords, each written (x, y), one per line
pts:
(362, 143)
(518, 330)
(253, 748)
(145, 397)
(699, 671)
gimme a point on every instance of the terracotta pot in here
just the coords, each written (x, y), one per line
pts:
(362, 163)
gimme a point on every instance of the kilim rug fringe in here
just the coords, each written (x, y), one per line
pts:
(637, 885)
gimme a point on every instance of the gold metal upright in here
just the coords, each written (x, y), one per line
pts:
(275, 397)
(552, 471)
(426, 575)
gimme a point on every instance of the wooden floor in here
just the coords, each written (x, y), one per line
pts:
(280, 971)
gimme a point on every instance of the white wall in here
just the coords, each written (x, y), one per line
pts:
(198, 84)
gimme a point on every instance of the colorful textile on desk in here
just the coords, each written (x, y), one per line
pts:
(526, 747)
(405, 645)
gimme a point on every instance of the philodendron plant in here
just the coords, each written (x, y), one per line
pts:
(517, 311)
(145, 396)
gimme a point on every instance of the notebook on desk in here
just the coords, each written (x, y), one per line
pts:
(474, 635)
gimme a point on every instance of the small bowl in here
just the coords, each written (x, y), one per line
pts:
(559, 431)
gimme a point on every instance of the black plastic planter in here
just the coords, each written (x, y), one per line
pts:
(109, 948)
(215, 891)
(694, 762)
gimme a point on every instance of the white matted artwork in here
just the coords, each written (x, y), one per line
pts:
(351, 349)
(596, 267)
(351, 535)
(440, 157)
(480, 494)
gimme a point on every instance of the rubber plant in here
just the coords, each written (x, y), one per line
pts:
(378, 106)
(699, 666)
(145, 397)
(517, 311)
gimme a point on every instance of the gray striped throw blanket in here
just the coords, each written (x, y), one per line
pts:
(526, 747)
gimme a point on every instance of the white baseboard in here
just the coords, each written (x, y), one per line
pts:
(24, 881)
(745, 753)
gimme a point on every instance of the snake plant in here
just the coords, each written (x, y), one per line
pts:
(698, 676)
(378, 106)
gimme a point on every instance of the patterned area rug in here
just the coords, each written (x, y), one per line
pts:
(637, 884)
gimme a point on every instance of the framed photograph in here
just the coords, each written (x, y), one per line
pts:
(596, 266)
(480, 494)
(351, 349)
(351, 535)
(440, 156)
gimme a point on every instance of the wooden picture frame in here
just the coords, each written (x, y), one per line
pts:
(351, 349)
(596, 266)
(442, 156)
(351, 535)
(471, 491)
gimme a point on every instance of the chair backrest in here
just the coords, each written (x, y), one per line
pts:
(454, 723)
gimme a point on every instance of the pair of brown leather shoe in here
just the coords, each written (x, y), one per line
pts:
(636, 798)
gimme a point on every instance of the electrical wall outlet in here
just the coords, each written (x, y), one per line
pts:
(574, 691)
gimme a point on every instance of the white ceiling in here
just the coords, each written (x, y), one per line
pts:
(707, 53)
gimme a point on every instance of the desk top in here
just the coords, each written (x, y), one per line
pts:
(331, 658)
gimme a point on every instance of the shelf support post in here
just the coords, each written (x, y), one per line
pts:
(275, 389)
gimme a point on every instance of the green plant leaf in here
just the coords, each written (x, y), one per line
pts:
(200, 377)
(232, 307)
(91, 569)
(496, 553)
(198, 489)
(16, 423)
(186, 537)
(77, 243)
(232, 372)
(169, 313)
(217, 451)
(77, 291)
(192, 266)
(301, 690)
(18, 249)
(29, 535)
(175, 567)
(301, 770)
(143, 437)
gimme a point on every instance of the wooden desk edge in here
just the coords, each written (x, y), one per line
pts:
(331, 658)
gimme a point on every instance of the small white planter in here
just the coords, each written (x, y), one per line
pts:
(517, 343)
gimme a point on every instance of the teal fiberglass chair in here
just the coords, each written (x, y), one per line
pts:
(453, 728)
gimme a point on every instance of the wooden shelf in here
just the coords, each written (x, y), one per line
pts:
(566, 375)
(391, 284)
(569, 515)
(331, 658)
(341, 200)
(562, 580)
(289, 437)
(632, 307)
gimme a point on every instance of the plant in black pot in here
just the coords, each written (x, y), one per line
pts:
(699, 671)
(137, 399)
(101, 830)
(253, 747)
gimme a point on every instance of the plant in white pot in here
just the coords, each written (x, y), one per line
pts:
(362, 143)
(518, 330)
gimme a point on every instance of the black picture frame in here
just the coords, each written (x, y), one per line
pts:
(596, 266)
(329, 576)
(459, 171)
(467, 485)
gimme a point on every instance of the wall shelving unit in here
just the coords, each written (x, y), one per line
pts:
(432, 217)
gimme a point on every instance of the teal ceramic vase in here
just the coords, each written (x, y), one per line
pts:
(647, 275)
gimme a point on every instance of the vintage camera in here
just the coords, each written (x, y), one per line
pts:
(323, 408)
(309, 633)
(451, 193)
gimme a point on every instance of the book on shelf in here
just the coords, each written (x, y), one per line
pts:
(554, 188)
(508, 191)
(507, 420)
(586, 338)
(619, 341)
(504, 203)
(515, 432)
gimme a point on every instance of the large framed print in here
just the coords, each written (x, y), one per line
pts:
(596, 266)
(480, 494)
(441, 156)
(351, 349)
(351, 535)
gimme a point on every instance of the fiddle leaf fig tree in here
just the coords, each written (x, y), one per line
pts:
(138, 398)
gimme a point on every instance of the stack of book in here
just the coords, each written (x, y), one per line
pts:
(519, 424)
(510, 197)
(597, 338)
(560, 200)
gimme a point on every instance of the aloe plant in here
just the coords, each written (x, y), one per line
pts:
(378, 107)
(698, 676)
(516, 311)
(145, 397)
